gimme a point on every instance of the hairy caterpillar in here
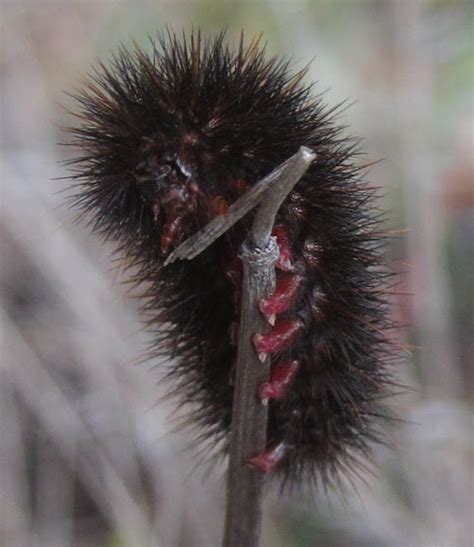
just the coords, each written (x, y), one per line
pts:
(167, 141)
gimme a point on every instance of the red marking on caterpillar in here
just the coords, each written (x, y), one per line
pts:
(282, 299)
(279, 338)
(167, 141)
(285, 259)
(219, 205)
(269, 460)
(241, 185)
(282, 376)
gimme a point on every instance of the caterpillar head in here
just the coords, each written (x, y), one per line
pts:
(180, 182)
(170, 139)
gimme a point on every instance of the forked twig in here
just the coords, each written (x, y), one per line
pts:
(259, 253)
(291, 170)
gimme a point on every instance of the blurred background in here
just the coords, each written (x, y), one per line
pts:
(88, 456)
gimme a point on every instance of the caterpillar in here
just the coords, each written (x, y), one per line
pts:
(169, 139)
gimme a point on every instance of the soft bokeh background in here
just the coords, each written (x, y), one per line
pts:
(88, 457)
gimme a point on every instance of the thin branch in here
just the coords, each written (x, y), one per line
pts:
(274, 197)
(289, 171)
(249, 416)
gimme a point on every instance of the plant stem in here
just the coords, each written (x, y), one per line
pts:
(249, 416)
(259, 253)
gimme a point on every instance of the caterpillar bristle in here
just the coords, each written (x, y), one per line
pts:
(168, 139)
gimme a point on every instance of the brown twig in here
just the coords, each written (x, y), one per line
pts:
(249, 417)
(293, 168)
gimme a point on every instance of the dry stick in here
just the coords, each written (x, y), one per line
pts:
(249, 417)
(293, 168)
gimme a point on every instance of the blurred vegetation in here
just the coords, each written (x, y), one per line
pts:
(87, 456)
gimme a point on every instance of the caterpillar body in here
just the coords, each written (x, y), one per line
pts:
(168, 140)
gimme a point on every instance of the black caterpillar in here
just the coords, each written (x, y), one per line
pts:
(167, 141)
